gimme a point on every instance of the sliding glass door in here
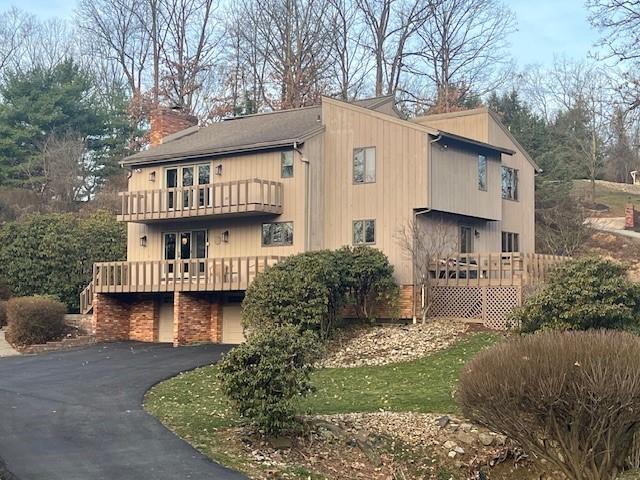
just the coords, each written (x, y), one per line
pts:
(188, 186)
(185, 247)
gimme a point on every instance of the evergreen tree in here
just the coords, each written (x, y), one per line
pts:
(59, 102)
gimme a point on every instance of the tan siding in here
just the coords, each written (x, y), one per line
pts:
(518, 216)
(401, 166)
(244, 233)
(454, 182)
(313, 151)
(473, 126)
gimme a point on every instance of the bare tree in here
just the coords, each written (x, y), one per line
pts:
(64, 174)
(392, 26)
(463, 49)
(425, 242)
(351, 61)
(188, 49)
(117, 35)
(291, 40)
(15, 28)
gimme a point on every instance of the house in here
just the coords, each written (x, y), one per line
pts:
(208, 208)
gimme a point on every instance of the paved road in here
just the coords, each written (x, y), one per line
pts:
(77, 415)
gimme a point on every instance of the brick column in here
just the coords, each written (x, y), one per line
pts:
(110, 318)
(144, 316)
(192, 318)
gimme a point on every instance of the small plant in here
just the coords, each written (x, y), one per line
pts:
(570, 398)
(266, 377)
(33, 320)
(582, 294)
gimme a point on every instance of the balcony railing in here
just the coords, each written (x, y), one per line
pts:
(203, 274)
(240, 197)
(493, 269)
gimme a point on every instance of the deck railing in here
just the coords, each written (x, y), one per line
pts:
(239, 197)
(86, 298)
(205, 274)
(492, 269)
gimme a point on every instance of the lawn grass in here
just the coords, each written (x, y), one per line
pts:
(192, 402)
(616, 200)
(193, 406)
(424, 385)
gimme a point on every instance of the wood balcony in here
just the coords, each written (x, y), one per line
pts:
(236, 198)
(198, 274)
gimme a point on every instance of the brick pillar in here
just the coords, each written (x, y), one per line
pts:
(216, 321)
(192, 318)
(110, 318)
(144, 316)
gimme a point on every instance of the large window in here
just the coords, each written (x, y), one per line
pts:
(510, 242)
(364, 232)
(185, 246)
(286, 164)
(482, 173)
(509, 183)
(364, 165)
(466, 239)
(274, 234)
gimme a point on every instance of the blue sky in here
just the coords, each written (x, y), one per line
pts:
(545, 27)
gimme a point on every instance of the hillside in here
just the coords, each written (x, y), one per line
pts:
(610, 194)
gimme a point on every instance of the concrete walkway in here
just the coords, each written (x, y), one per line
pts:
(6, 350)
(612, 225)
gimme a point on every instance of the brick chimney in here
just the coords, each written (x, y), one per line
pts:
(167, 121)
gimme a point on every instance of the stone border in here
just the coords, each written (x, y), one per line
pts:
(64, 344)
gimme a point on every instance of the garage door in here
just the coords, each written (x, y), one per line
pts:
(232, 324)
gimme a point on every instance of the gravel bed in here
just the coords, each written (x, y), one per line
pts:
(384, 344)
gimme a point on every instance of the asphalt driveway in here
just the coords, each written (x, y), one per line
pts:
(78, 415)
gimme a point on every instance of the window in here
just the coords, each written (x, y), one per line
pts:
(510, 242)
(364, 165)
(364, 232)
(509, 183)
(482, 173)
(286, 164)
(466, 239)
(274, 234)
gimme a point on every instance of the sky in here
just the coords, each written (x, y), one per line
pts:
(545, 27)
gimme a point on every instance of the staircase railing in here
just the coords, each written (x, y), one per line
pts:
(86, 299)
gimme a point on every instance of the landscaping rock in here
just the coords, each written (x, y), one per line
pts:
(443, 421)
(486, 439)
(450, 445)
(381, 345)
(466, 438)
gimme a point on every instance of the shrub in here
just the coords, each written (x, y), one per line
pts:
(307, 290)
(580, 295)
(369, 280)
(266, 376)
(34, 320)
(571, 398)
(53, 254)
(3, 313)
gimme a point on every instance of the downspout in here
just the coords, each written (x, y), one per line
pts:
(307, 203)
(413, 268)
(415, 224)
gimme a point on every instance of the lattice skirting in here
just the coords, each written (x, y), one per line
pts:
(490, 304)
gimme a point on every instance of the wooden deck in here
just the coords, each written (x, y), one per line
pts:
(493, 269)
(206, 274)
(236, 198)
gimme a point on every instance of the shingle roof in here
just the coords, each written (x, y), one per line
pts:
(245, 133)
(251, 132)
